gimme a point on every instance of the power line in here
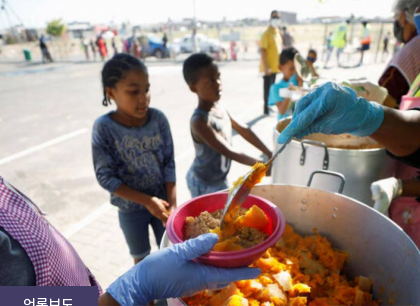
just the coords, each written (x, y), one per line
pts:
(6, 8)
(12, 30)
(14, 13)
(7, 15)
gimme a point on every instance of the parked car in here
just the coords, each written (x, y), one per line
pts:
(205, 44)
(151, 45)
(156, 47)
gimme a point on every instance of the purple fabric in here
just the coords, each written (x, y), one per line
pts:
(55, 261)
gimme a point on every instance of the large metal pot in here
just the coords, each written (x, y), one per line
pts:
(360, 167)
(377, 247)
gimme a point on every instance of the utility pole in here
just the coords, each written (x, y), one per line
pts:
(194, 30)
(379, 41)
(194, 14)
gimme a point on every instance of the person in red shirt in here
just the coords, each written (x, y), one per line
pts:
(102, 47)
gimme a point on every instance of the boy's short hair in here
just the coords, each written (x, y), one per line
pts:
(313, 51)
(288, 54)
(192, 66)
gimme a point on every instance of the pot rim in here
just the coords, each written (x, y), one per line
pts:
(342, 196)
(372, 151)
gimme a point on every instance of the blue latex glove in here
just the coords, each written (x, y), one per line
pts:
(333, 109)
(172, 273)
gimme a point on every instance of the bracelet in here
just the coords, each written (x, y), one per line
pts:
(400, 188)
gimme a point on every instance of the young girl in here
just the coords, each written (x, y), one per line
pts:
(133, 154)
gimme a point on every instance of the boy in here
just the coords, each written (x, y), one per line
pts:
(310, 61)
(211, 130)
(289, 81)
(365, 41)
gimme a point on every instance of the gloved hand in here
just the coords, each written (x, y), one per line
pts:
(172, 273)
(371, 91)
(333, 109)
(384, 191)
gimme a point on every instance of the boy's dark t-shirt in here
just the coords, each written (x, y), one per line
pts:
(209, 166)
(140, 157)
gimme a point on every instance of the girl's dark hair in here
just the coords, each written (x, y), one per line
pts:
(114, 71)
(288, 54)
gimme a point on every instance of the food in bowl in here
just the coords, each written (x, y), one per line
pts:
(247, 229)
(297, 271)
(253, 177)
(175, 228)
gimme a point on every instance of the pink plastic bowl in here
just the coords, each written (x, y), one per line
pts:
(213, 202)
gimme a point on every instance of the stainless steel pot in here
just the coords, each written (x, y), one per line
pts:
(360, 167)
(377, 247)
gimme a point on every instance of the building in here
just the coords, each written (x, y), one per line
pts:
(288, 17)
(76, 29)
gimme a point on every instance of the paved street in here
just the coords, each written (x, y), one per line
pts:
(46, 129)
(46, 115)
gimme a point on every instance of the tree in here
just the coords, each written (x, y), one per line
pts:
(56, 27)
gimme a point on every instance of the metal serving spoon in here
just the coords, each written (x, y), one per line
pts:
(240, 191)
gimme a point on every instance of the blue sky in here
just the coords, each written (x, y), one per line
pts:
(35, 13)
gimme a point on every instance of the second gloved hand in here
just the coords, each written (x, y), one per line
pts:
(384, 191)
(333, 109)
(371, 91)
(171, 272)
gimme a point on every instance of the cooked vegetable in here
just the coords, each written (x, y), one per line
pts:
(297, 271)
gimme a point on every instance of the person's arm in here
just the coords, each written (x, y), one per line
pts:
(299, 81)
(171, 193)
(203, 132)
(335, 109)
(157, 207)
(103, 163)
(107, 300)
(313, 70)
(246, 133)
(283, 105)
(314, 73)
(399, 131)
(169, 162)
